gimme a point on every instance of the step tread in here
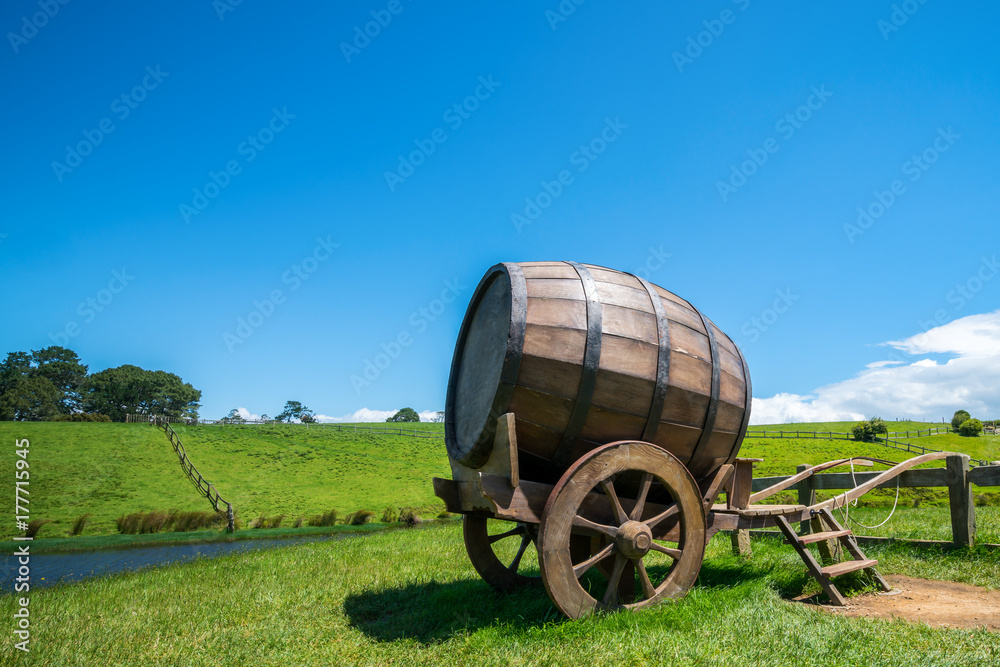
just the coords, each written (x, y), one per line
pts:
(826, 535)
(848, 566)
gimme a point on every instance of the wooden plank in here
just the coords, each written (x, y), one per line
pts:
(985, 476)
(963, 514)
(838, 569)
(825, 535)
(807, 496)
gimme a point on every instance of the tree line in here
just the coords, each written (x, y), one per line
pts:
(52, 384)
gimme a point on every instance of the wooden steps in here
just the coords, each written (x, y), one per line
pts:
(827, 534)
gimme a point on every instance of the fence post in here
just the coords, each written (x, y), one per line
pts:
(963, 512)
(807, 497)
(231, 518)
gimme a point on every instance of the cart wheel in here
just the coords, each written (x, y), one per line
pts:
(489, 540)
(646, 525)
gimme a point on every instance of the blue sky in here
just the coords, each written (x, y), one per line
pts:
(819, 179)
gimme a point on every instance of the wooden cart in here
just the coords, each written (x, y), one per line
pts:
(602, 416)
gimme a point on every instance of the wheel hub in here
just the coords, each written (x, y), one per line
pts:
(634, 539)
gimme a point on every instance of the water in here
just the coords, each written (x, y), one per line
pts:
(50, 569)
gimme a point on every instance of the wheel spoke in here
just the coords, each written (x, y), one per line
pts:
(647, 586)
(580, 522)
(662, 516)
(673, 553)
(616, 506)
(611, 595)
(525, 541)
(640, 502)
(499, 536)
(578, 570)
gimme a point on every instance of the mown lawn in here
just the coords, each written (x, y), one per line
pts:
(412, 598)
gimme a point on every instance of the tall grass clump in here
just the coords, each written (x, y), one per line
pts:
(325, 519)
(390, 515)
(155, 521)
(359, 518)
(35, 526)
(409, 518)
(80, 523)
(185, 521)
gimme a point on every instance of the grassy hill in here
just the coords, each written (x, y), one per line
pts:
(113, 469)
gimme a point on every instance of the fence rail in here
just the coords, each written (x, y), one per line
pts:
(884, 441)
(386, 430)
(206, 488)
(837, 435)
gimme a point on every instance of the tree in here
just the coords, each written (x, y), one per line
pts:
(970, 427)
(61, 367)
(405, 415)
(127, 389)
(30, 398)
(295, 410)
(960, 416)
(233, 417)
(438, 417)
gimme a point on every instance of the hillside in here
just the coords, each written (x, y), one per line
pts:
(115, 469)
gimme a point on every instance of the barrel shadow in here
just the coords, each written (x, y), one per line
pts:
(436, 611)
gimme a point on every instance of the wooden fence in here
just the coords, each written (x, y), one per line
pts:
(957, 477)
(386, 430)
(884, 441)
(204, 486)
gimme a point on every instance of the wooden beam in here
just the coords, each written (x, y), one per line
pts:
(963, 514)
(807, 496)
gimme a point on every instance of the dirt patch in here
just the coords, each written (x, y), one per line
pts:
(939, 604)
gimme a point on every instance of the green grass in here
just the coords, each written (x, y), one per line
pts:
(412, 598)
(105, 469)
(113, 469)
(845, 427)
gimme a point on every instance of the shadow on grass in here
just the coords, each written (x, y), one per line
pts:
(434, 612)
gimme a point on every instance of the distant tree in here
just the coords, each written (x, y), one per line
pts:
(293, 410)
(127, 389)
(863, 432)
(234, 417)
(405, 415)
(438, 416)
(970, 427)
(307, 418)
(264, 417)
(960, 416)
(878, 426)
(60, 366)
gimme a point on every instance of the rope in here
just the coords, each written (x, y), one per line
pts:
(847, 511)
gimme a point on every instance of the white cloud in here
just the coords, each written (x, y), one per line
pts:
(246, 414)
(922, 389)
(367, 415)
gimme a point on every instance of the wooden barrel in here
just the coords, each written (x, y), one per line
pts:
(584, 356)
